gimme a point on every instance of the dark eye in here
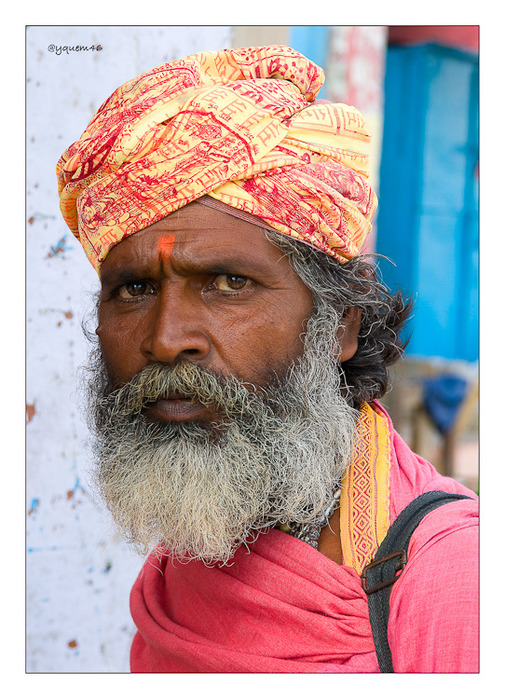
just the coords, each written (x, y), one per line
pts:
(133, 290)
(231, 282)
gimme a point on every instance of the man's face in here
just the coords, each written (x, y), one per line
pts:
(216, 400)
(203, 286)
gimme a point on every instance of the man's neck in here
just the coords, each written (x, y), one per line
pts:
(329, 540)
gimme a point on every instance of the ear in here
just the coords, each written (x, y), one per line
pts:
(348, 333)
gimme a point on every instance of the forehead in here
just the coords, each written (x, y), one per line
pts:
(195, 235)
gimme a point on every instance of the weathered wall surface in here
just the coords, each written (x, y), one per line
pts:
(355, 75)
(79, 574)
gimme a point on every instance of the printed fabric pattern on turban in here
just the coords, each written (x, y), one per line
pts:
(241, 125)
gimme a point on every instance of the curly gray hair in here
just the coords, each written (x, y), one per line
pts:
(336, 287)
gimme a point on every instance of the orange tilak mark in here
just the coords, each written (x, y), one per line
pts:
(166, 245)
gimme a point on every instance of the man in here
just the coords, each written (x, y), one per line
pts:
(243, 344)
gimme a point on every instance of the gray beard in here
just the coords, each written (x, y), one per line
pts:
(202, 490)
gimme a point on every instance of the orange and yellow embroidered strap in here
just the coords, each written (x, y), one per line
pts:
(364, 505)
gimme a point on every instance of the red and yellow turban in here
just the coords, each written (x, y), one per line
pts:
(241, 125)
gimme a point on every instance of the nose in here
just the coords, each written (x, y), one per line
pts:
(175, 331)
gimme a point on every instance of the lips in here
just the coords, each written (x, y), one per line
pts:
(177, 409)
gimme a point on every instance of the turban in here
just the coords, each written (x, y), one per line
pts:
(239, 125)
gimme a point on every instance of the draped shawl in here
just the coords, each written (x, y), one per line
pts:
(282, 606)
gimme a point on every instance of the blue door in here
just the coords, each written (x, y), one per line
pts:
(427, 221)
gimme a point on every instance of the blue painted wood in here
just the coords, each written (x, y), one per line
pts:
(428, 210)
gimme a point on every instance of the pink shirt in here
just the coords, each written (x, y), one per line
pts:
(284, 607)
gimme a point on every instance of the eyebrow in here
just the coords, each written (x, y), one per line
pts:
(245, 267)
(222, 265)
(224, 262)
(119, 276)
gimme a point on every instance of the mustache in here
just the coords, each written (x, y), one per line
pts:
(185, 381)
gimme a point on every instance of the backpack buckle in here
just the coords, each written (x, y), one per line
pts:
(399, 569)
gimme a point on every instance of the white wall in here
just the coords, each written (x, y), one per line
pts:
(79, 574)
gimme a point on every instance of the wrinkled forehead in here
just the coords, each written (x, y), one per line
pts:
(229, 214)
(197, 237)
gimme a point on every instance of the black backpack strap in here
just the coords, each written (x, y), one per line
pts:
(388, 563)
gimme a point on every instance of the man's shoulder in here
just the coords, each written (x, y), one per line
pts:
(411, 474)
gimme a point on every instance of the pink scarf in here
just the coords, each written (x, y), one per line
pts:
(282, 607)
